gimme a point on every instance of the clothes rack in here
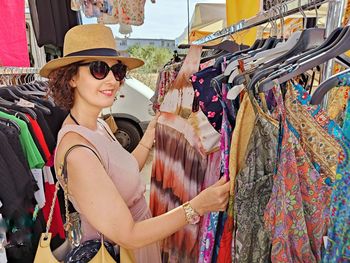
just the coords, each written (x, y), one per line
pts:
(18, 70)
(334, 17)
(291, 7)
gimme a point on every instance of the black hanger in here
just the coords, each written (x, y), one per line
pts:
(221, 53)
(31, 98)
(13, 109)
(227, 45)
(330, 41)
(33, 94)
(229, 57)
(5, 102)
(6, 93)
(10, 123)
(326, 86)
(259, 43)
(310, 38)
(9, 98)
(17, 114)
(343, 60)
(258, 76)
(267, 44)
(339, 48)
(270, 43)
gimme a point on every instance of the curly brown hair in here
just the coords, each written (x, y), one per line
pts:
(59, 88)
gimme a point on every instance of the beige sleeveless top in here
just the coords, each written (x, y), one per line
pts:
(120, 165)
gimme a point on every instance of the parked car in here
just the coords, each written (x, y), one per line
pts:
(132, 111)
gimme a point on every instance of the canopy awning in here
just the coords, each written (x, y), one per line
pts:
(206, 19)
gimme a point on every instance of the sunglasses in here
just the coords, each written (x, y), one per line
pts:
(100, 69)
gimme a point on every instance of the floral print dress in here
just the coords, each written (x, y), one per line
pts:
(338, 245)
(251, 242)
(295, 214)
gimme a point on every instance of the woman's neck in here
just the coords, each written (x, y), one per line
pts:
(85, 117)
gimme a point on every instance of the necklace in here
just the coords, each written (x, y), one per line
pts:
(76, 122)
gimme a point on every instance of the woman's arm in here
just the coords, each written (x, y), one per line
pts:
(142, 150)
(100, 202)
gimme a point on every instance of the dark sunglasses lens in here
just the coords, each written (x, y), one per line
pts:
(119, 71)
(99, 69)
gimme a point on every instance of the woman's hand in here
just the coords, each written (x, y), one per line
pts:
(150, 132)
(212, 199)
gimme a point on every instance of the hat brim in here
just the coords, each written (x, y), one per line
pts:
(45, 71)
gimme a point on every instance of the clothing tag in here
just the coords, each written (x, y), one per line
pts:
(25, 103)
(40, 194)
(3, 258)
(325, 241)
(48, 178)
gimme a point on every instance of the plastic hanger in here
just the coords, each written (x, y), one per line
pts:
(233, 63)
(330, 41)
(222, 53)
(8, 95)
(339, 48)
(309, 39)
(17, 114)
(327, 85)
(281, 47)
(32, 99)
(227, 45)
(343, 60)
(5, 102)
(10, 123)
(267, 46)
(256, 45)
(284, 47)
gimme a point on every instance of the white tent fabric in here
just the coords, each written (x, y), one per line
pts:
(207, 17)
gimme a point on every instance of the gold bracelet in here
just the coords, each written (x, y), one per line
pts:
(145, 146)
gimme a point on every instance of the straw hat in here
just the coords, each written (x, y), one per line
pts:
(88, 42)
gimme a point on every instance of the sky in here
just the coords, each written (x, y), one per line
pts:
(166, 19)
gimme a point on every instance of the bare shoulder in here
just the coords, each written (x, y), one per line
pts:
(69, 139)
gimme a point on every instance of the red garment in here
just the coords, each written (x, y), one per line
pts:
(40, 136)
(57, 223)
(225, 255)
(13, 40)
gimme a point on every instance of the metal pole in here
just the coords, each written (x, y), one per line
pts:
(188, 21)
(334, 19)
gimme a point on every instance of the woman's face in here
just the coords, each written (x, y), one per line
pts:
(99, 93)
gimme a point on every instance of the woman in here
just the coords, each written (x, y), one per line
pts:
(103, 180)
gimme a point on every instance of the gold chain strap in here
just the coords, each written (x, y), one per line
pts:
(48, 225)
(67, 225)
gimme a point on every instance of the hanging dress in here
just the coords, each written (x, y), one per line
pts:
(338, 245)
(295, 214)
(240, 138)
(184, 139)
(253, 186)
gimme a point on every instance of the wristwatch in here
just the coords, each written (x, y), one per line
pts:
(192, 217)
